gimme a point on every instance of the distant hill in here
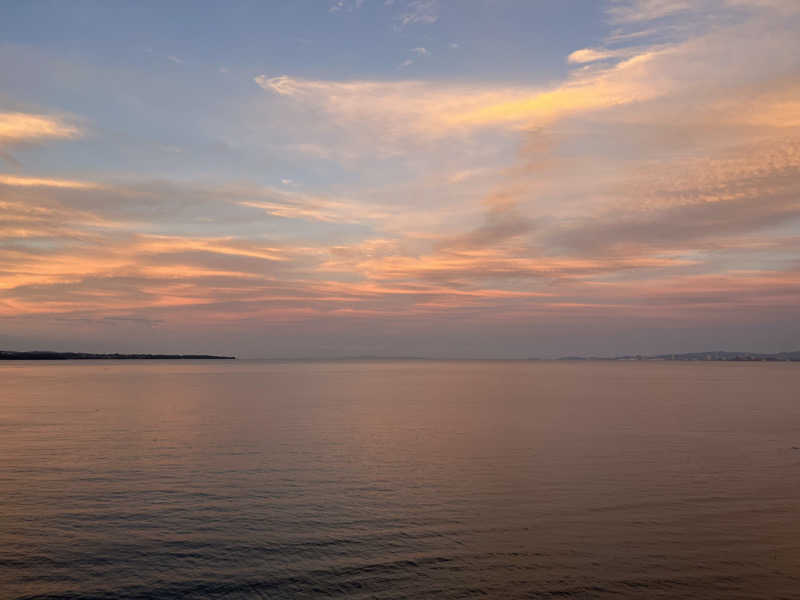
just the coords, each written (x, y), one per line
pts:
(715, 355)
(48, 355)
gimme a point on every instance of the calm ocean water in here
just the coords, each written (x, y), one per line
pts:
(399, 479)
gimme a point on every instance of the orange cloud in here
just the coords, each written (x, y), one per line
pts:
(12, 180)
(21, 127)
(432, 111)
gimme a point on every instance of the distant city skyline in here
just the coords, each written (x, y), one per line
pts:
(472, 178)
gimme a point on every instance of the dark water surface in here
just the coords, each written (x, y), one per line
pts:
(406, 479)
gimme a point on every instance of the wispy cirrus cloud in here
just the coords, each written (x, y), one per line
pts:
(345, 5)
(416, 53)
(313, 208)
(642, 11)
(635, 11)
(590, 55)
(18, 127)
(20, 181)
(430, 111)
(424, 12)
(21, 129)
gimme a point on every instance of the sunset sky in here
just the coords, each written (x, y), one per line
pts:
(451, 178)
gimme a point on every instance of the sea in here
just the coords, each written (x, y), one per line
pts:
(156, 480)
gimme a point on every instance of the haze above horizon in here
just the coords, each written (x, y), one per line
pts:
(400, 177)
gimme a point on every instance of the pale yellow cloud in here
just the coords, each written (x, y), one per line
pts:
(404, 110)
(588, 55)
(700, 66)
(431, 111)
(623, 84)
(21, 127)
(17, 181)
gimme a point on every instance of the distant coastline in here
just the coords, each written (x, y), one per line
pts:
(48, 355)
(716, 355)
(713, 356)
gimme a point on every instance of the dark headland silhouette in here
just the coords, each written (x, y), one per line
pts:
(48, 355)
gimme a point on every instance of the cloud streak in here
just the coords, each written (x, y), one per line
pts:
(16, 127)
(417, 109)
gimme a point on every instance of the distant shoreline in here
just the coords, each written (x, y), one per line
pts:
(48, 355)
(713, 356)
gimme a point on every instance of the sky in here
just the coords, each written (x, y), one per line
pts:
(442, 178)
